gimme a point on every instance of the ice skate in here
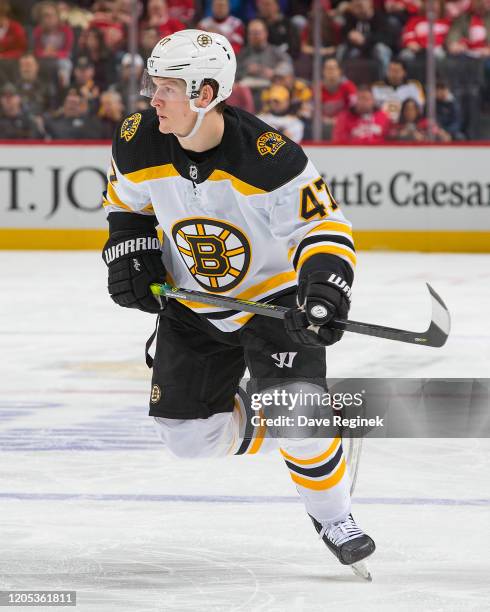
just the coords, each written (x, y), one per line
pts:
(348, 543)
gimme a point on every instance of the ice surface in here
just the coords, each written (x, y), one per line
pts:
(89, 500)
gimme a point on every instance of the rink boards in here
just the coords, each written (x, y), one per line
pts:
(421, 198)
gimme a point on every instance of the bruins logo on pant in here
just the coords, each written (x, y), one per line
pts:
(216, 253)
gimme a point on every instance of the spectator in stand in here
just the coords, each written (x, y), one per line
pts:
(53, 40)
(182, 10)
(123, 11)
(454, 8)
(329, 34)
(258, 60)
(399, 11)
(281, 32)
(38, 95)
(249, 8)
(338, 95)
(15, 123)
(148, 38)
(157, 16)
(84, 83)
(222, 22)
(92, 45)
(448, 112)
(415, 34)
(237, 8)
(470, 36)
(242, 97)
(73, 121)
(109, 23)
(13, 40)
(390, 93)
(367, 33)
(122, 86)
(280, 117)
(470, 33)
(363, 123)
(413, 126)
(301, 96)
(111, 113)
(75, 16)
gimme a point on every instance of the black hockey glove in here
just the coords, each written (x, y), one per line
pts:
(134, 259)
(322, 296)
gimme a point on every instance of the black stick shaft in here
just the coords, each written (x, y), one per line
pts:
(434, 336)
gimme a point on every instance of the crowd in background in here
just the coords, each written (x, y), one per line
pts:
(65, 67)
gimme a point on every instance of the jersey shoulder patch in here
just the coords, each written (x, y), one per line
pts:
(259, 154)
(138, 144)
(130, 126)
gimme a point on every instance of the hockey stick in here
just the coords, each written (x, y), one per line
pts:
(436, 334)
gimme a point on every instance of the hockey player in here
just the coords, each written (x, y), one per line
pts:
(244, 213)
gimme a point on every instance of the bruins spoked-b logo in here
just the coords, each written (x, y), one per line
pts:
(204, 40)
(156, 394)
(129, 126)
(216, 253)
(269, 143)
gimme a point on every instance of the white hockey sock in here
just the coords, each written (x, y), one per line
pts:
(317, 467)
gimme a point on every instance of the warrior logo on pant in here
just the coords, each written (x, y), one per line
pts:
(217, 254)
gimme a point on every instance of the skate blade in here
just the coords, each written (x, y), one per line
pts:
(361, 569)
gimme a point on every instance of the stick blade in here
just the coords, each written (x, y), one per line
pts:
(440, 324)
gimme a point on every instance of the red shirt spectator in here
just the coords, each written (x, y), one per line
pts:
(363, 123)
(338, 93)
(13, 40)
(109, 24)
(415, 34)
(182, 10)
(223, 23)
(158, 17)
(470, 33)
(51, 37)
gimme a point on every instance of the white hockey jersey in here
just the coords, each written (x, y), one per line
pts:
(246, 221)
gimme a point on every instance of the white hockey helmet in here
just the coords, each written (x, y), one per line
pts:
(193, 55)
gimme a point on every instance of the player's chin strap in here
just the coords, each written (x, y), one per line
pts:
(201, 112)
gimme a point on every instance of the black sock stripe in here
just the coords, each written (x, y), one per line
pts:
(320, 470)
(321, 238)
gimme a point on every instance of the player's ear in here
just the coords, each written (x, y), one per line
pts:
(206, 96)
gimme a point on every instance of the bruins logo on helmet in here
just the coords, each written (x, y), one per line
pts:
(204, 40)
(129, 127)
(216, 253)
(269, 143)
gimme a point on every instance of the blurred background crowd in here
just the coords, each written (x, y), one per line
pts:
(65, 67)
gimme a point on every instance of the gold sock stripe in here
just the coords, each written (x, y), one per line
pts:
(321, 457)
(321, 485)
(259, 437)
